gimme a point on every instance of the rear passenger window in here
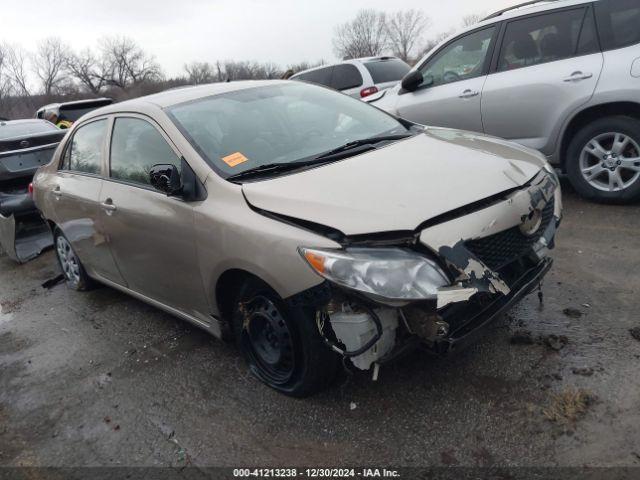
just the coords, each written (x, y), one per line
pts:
(321, 76)
(588, 42)
(541, 39)
(346, 76)
(84, 153)
(136, 146)
(618, 23)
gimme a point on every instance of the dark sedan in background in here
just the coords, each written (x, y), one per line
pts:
(25, 145)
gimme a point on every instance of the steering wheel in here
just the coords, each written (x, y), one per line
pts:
(450, 76)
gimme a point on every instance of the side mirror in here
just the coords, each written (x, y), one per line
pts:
(412, 81)
(166, 179)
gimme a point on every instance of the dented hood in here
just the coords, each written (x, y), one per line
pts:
(399, 186)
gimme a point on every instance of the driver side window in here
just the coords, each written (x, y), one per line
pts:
(136, 146)
(462, 59)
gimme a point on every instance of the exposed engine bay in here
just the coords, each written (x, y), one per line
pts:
(487, 274)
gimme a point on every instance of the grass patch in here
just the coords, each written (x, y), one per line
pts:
(568, 406)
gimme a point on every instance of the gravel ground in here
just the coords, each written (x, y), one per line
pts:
(102, 379)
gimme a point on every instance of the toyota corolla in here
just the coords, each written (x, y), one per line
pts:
(314, 229)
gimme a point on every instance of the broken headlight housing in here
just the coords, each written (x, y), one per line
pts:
(391, 274)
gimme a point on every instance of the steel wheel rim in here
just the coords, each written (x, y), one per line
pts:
(610, 162)
(68, 260)
(268, 341)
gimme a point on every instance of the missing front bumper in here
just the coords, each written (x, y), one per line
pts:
(481, 316)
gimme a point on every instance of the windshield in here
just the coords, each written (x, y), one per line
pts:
(281, 123)
(23, 129)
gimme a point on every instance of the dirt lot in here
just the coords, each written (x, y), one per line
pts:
(101, 379)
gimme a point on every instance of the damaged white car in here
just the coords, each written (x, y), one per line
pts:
(308, 225)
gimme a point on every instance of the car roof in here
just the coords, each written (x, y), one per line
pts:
(351, 61)
(526, 8)
(180, 95)
(75, 103)
(25, 121)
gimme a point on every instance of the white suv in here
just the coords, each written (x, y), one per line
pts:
(359, 77)
(562, 77)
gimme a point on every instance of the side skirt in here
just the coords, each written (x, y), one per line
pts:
(214, 327)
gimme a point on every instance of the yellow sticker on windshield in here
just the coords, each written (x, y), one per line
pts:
(234, 159)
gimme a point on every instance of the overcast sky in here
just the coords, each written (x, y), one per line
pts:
(179, 31)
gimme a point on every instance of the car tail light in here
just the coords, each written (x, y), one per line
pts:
(30, 189)
(365, 92)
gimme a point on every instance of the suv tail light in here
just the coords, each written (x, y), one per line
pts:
(30, 189)
(365, 92)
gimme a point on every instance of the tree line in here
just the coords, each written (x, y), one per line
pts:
(120, 68)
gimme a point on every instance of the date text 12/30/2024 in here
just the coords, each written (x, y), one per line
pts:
(315, 473)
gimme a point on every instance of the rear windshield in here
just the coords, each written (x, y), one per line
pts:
(392, 70)
(23, 129)
(321, 76)
(73, 114)
(281, 123)
(618, 23)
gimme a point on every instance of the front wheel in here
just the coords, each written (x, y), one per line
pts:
(603, 160)
(281, 344)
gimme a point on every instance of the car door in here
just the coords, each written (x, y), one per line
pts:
(548, 65)
(76, 194)
(151, 235)
(449, 95)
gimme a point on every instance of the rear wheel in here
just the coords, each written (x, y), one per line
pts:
(72, 268)
(281, 344)
(603, 160)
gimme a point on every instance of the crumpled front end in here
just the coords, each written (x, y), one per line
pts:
(493, 252)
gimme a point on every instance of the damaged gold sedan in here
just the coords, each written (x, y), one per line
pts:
(307, 225)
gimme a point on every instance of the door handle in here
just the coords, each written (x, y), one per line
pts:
(108, 206)
(577, 76)
(56, 192)
(468, 93)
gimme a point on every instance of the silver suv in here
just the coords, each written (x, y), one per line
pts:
(359, 77)
(562, 77)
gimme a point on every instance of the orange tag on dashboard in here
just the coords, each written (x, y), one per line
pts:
(234, 159)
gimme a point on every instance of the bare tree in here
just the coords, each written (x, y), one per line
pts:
(5, 80)
(364, 36)
(405, 29)
(49, 62)
(89, 70)
(16, 70)
(299, 67)
(472, 19)
(234, 70)
(127, 64)
(199, 72)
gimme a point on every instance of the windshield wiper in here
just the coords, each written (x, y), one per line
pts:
(361, 142)
(355, 146)
(265, 169)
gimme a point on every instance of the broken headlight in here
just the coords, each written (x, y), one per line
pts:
(386, 273)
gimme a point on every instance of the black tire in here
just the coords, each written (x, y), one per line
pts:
(74, 273)
(626, 126)
(281, 344)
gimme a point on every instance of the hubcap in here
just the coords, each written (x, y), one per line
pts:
(610, 162)
(268, 340)
(68, 260)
